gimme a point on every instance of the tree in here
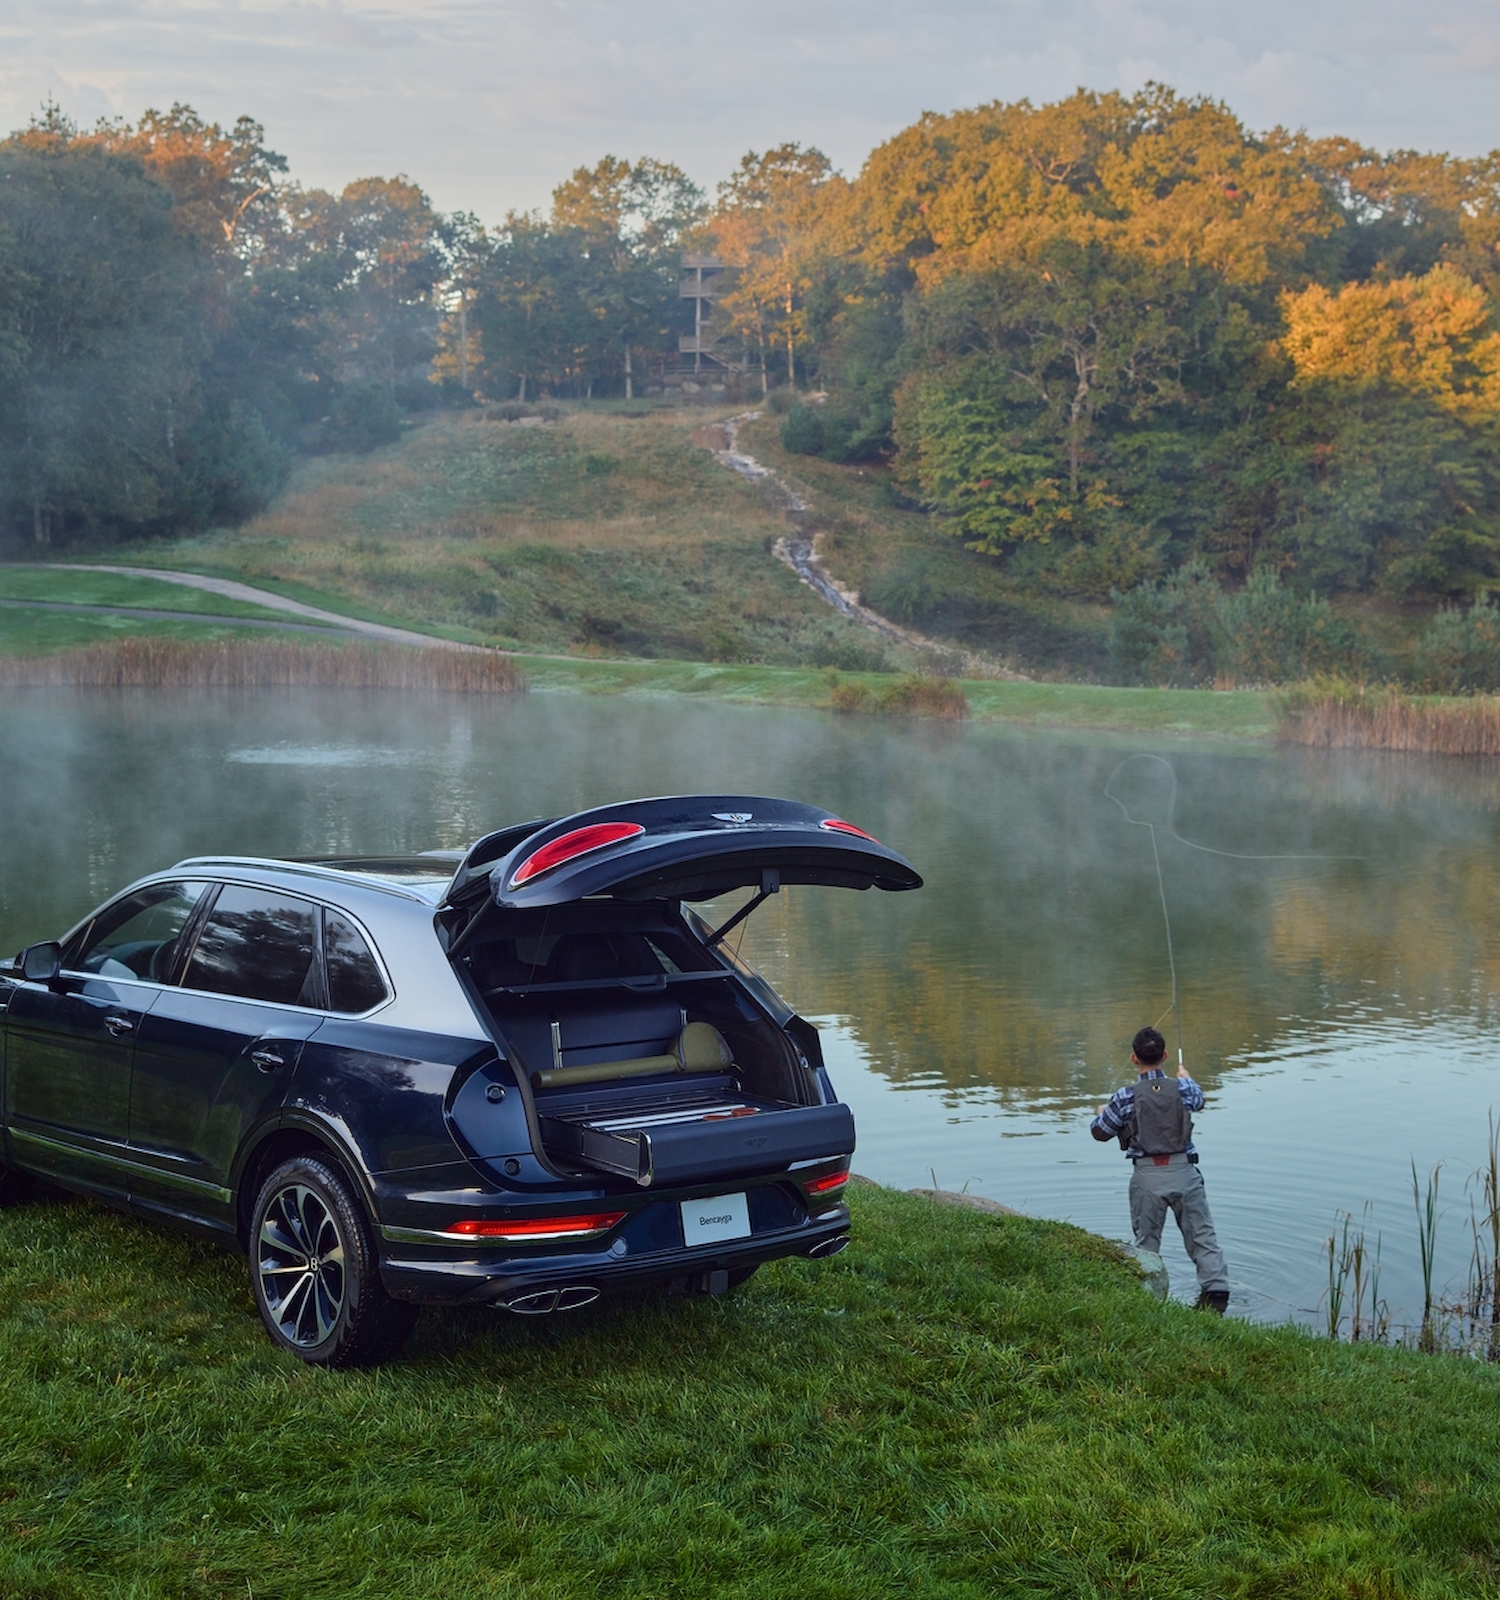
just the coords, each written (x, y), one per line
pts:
(106, 329)
(629, 222)
(770, 223)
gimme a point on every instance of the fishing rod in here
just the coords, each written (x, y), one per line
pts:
(1161, 886)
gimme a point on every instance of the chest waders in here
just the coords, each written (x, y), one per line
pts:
(1160, 1124)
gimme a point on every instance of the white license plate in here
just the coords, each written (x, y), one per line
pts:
(711, 1221)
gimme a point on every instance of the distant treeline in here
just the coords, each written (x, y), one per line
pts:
(1105, 340)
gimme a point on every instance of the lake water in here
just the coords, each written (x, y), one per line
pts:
(1338, 1007)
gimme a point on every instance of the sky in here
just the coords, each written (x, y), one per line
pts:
(489, 103)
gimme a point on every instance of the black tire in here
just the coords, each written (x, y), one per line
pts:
(314, 1270)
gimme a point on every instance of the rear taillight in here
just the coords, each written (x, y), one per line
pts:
(533, 1230)
(836, 825)
(577, 843)
(834, 1180)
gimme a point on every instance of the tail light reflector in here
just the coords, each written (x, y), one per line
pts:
(577, 843)
(837, 825)
(834, 1180)
(534, 1229)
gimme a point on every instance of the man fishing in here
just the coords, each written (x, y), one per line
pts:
(1152, 1119)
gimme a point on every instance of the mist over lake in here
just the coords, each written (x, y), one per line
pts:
(1338, 1010)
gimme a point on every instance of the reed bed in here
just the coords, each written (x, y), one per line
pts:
(910, 696)
(264, 664)
(1388, 720)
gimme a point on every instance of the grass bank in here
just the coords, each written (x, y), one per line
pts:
(1243, 713)
(960, 1406)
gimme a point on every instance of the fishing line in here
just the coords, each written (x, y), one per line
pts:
(1171, 829)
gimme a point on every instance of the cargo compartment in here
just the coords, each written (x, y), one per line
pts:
(645, 1058)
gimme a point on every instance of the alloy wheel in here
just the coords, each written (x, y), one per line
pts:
(300, 1260)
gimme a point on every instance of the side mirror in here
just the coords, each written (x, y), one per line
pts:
(40, 963)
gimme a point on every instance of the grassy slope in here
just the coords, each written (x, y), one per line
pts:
(960, 1406)
(900, 562)
(596, 534)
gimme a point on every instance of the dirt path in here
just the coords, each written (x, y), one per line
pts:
(798, 549)
(231, 590)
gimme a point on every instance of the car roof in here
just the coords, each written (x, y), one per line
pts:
(422, 878)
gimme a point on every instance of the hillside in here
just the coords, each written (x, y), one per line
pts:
(599, 532)
(613, 532)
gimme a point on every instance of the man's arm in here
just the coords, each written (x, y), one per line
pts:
(1113, 1116)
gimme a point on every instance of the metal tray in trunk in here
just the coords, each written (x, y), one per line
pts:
(687, 1139)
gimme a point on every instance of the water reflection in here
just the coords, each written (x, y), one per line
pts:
(1338, 1011)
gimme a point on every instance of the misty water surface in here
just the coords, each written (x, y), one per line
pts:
(1340, 1012)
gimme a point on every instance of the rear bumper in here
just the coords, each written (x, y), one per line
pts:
(487, 1277)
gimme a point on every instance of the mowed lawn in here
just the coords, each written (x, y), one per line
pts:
(958, 1406)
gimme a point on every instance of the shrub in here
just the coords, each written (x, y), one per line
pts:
(1163, 633)
(363, 417)
(905, 590)
(1460, 650)
(910, 696)
(780, 401)
(802, 431)
(1271, 634)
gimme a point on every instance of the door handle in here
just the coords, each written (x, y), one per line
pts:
(267, 1060)
(118, 1025)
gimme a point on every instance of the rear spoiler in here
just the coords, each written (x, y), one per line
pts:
(686, 847)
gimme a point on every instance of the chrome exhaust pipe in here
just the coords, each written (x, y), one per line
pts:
(536, 1304)
(541, 1302)
(828, 1247)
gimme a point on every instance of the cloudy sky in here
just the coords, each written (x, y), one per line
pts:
(487, 103)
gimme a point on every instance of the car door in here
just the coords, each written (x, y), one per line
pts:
(70, 1042)
(217, 1051)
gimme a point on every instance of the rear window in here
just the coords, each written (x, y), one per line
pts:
(354, 980)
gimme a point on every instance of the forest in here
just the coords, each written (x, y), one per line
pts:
(1120, 345)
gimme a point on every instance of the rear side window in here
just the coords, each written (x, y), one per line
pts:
(258, 945)
(354, 981)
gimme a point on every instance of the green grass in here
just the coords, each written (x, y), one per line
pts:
(72, 587)
(1243, 713)
(24, 632)
(960, 1406)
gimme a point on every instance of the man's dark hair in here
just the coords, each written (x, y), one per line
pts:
(1148, 1047)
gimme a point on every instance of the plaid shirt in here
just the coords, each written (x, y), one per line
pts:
(1114, 1119)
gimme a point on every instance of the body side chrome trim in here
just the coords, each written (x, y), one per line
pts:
(178, 1180)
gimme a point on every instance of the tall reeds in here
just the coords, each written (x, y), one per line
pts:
(1337, 716)
(264, 664)
(910, 696)
(1424, 1197)
(1354, 1279)
(1484, 1225)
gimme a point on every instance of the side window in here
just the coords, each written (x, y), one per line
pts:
(354, 981)
(258, 945)
(137, 936)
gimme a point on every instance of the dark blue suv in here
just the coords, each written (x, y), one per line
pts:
(520, 1077)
